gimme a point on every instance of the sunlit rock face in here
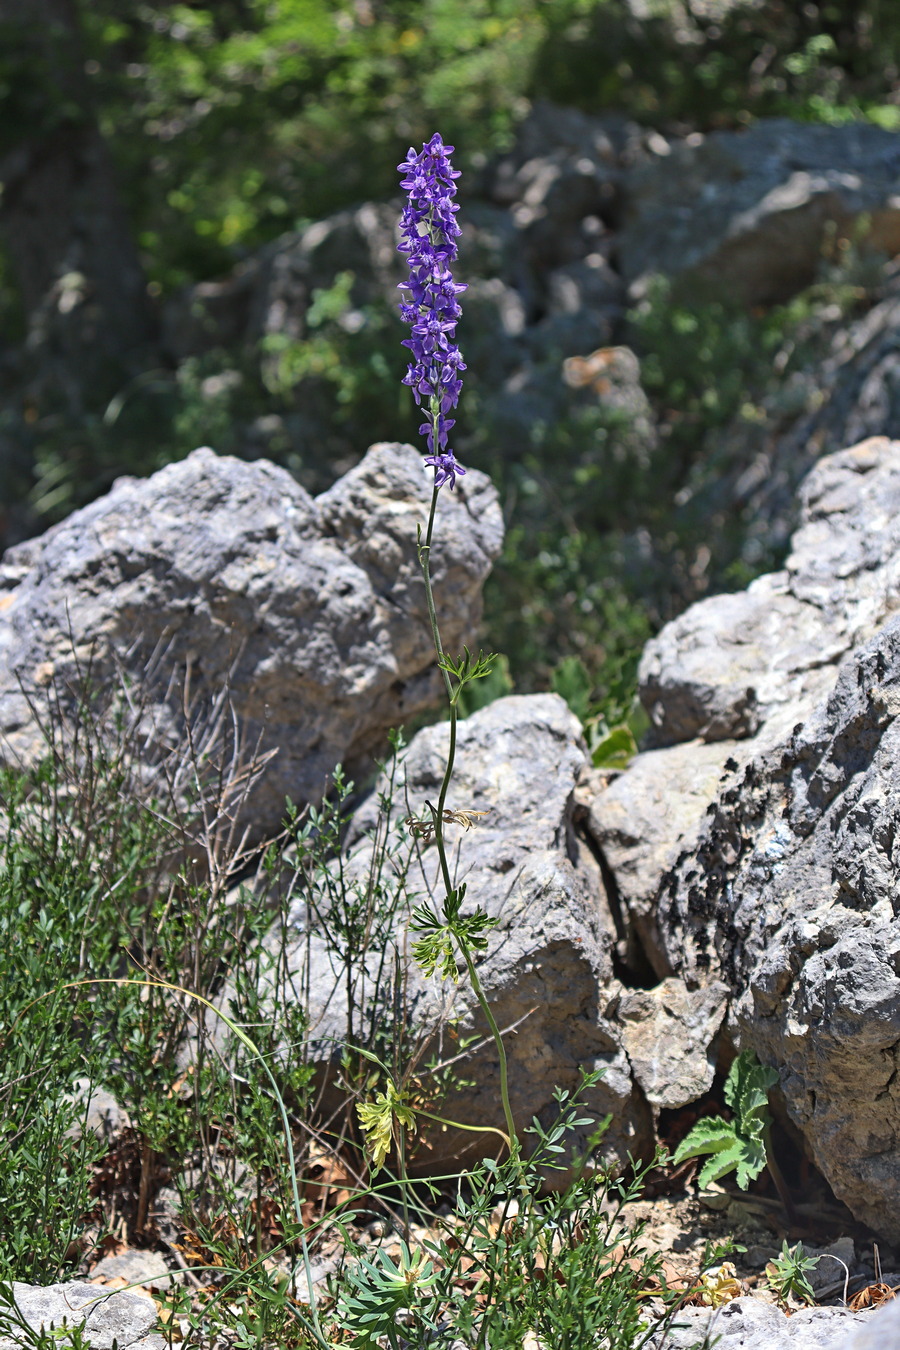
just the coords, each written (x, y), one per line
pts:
(218, 576)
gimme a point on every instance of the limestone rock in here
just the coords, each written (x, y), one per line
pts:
(135, 1267)
(847, 391)
(216, 573)
(881, 1331)
(769, 863)
(750, 1324)
(564, 166)
(548, 970)
(720, 670)
(108, 1319)
(645, 819)
(746, 212)
(669, 1033)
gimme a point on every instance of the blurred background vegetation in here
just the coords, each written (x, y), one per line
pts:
(210, 130)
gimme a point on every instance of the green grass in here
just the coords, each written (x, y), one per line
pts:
(113, 937)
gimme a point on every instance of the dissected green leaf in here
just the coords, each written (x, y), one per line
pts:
(710, 1135)
(735, 1146)
(747, 1091)
(379, 1118)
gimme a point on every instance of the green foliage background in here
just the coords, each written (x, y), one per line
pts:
(232, 123)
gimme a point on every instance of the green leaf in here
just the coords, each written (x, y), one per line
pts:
(379, 1118)
(721, 1163)
(747, 1092)
(751, 1162)
(615, 749)
(712, 1134)
(572, 682)
(496, 684)
(435, 952)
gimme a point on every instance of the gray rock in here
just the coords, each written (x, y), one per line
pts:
(746, 212)
(776, 873)
(720, 670)
(669, 1034)
(548, 968)
(98, 1111)
(847, 391)
(120, 1318)
(216, 573)
(645, 819)
(750, 1324)
(881, 1331)
(837, 1262)
(564, 167)
(136, 1267)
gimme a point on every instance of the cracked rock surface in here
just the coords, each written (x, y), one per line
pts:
(218, 573)
(107, 1319)
(765, 855)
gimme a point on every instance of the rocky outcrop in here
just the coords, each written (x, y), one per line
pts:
(746, 213)
(548, 971)
(216, 574)
(758, 848)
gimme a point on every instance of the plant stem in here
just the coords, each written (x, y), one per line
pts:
(501, 1049)
(404, 1182)
(777, 1176)
(438, 816)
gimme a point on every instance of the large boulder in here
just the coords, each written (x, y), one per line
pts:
(746, 213)
(217, 575)
(548, 971)
(757, 847)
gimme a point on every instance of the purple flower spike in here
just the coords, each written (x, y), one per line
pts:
(428, 233)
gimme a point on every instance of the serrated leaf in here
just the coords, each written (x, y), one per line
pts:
(710, 1135)
(721, 1163)
(751, 1162)
(747, 1092)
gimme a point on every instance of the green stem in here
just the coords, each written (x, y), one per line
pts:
(498, 1041)
(425, 563)
(404, 1181)
(438, 817)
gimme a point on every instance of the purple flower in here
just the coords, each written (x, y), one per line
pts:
(446, 469)
(428, 232)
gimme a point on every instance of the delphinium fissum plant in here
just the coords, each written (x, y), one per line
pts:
(561, 1267)
(428, 237)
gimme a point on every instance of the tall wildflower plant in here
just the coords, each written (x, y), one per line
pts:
(428, 237)
(563, 1269)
